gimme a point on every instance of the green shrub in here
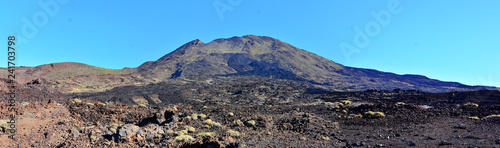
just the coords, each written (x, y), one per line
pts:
(76, 100)
(112, 130)
(194, 116)
(371, 114)
(251, 123)
(238, 123)
(205, 134)
(181, 132)
(233, 133)
(346, 102)
(474, 117)
(400, 103)
(114, 125)
(189, 129)
(470, 104)
(183, 138)
(493, 116)
(216, 125)
(208, 122)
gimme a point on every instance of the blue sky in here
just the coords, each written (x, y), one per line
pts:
(446, 40)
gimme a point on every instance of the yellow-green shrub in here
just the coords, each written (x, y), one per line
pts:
(205, 134)
(371, 114)
(493, 116)
(400, 103)
(233, 133)
(251, 123)
(471, 104)
(189, 129)
(183, 138)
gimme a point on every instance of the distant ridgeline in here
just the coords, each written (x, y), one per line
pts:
(237, 56)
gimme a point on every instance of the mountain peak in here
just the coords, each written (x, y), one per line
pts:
(246, 38)
(269, 57)
(246, 55)
(192, 43)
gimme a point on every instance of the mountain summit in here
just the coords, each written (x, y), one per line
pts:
(247, 55)
(269, 57)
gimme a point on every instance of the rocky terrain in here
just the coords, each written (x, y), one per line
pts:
(249, 91)
(248, 111)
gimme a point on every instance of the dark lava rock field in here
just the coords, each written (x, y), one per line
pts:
(249, 111)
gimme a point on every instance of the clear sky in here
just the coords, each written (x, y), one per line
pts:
(446, 40)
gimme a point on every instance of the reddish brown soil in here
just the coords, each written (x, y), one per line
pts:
(285, 114)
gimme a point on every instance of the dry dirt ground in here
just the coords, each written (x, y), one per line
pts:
(261, 113)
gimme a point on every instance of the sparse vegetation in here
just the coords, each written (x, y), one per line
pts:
(474, 117)
(205, 134)
(63, 121)
(216, 125)
(181, 132)
(251, 123)
(25, 103)
(76, 100)
(238, 123)
(346, 102)
(114, 124)
(493, 116)
(371, 114)
(208, 122)
(183, 138)
(470, 104)
(189, 129)
(4, 124)
(194, 116)
(112, 129)
(233, 133)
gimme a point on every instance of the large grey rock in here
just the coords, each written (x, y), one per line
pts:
(128, 130)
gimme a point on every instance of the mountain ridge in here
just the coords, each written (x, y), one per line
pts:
(248, 55)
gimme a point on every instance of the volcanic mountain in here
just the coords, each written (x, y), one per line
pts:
(269, 57)
(237, 56)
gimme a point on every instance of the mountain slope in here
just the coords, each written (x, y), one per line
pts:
(265, 56)
(69, 77)
(247, 55)
(237, 56)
